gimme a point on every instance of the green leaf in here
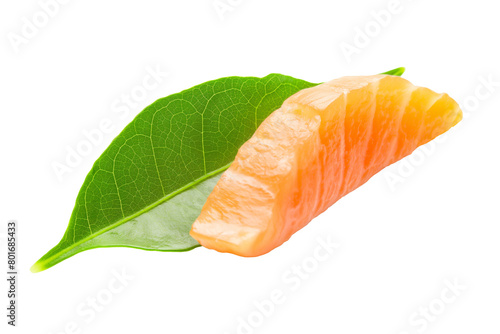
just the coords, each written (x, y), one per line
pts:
(150, 184)
(397, 71)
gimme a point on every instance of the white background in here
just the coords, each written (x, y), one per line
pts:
(426, 221)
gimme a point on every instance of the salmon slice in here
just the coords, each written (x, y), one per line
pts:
(322, 143)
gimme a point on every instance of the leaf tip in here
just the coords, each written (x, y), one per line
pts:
(37, 267)
(397, 71)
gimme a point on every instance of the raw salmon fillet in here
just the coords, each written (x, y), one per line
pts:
(322, 143)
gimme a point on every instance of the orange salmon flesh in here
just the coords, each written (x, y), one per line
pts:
(322, 143)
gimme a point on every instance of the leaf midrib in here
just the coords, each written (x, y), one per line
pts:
(140, 212)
